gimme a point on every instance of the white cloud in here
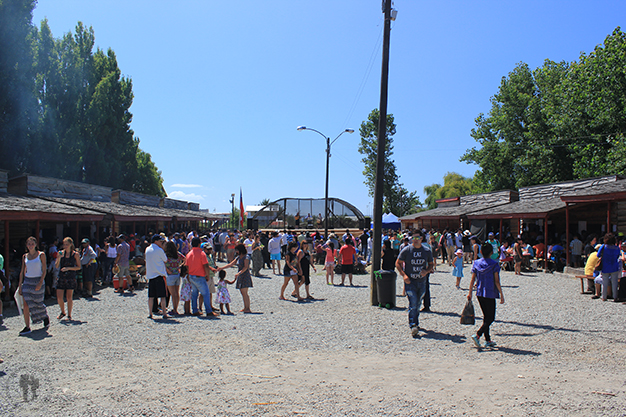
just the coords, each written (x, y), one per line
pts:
(186, 186)
(179, 195)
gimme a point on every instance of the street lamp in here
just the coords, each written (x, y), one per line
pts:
(328, 145)
(232, 211)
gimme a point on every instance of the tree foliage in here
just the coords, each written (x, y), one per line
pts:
(454, 185)
(396, 198)
(559, 122)
(65, 109)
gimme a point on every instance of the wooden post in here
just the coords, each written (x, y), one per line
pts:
(567, 233)
(98, 233)
(7, 252)
(37, 228)
(439, 224)
(134, 228)
(500, 231)
(146, 229)
(76, 236)
(608, 217)
(545, 242)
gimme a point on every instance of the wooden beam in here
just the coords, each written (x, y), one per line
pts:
(567, 233)
(619, 196)
(6, 249)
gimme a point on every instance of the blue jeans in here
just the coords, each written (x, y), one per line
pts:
(415, 293)
(199, 285)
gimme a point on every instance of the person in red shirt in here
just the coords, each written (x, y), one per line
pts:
(347, 253)
(198, 268)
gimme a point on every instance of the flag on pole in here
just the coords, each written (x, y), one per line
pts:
(240, 209)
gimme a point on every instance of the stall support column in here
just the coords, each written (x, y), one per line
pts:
(567, 233)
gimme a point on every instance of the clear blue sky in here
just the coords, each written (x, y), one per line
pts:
(220, 86)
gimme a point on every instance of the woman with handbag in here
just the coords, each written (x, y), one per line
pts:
(31, 286)
(486, 275)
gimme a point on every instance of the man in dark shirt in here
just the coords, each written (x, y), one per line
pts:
(414, 264)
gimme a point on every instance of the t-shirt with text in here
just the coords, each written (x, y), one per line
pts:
(415, 260)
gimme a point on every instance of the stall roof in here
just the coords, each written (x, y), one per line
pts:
(535, 209)
(121, 212)
(453, 212)
(13, 207)
(613, 191)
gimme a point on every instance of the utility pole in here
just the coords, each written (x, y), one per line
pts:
(380, 159)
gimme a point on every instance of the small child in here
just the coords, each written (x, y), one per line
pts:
(223, 296)
(458, 268)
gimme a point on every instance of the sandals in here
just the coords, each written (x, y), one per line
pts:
(60, 316)
(282, 298)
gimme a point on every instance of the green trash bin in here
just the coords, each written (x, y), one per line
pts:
(386, 286)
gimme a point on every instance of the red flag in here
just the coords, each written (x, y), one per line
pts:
(240, 209)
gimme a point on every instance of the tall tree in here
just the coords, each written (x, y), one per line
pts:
(396, 198)
(18, 107)
(454, 185)
(559, 122)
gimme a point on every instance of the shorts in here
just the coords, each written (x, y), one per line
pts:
(124, 271)
(347, 268)
(275, 256)
(331, 264)
(211, 283)
(598, 280)
(156, 288)
(290, 273)
(218, 248)
(173, 280)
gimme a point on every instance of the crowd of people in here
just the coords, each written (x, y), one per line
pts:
(180, 268)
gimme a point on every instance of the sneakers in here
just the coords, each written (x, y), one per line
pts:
(415, 331)
(25, 331)
(476, 341)
(490, 344)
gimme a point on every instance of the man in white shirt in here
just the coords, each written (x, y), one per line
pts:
(156, 273)
(248, 242)
(274, 246)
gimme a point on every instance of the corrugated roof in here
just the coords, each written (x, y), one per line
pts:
(454, 211)
(536, 208)
(14, 203)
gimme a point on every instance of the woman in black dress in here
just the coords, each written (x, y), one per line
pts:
(243, 277)
(68, 262)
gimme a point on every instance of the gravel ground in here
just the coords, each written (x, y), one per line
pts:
(559, 353)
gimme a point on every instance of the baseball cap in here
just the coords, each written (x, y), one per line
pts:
(156, 238)
(85, 240)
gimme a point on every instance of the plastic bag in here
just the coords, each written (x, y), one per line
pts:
(19, 301)
(467, 316)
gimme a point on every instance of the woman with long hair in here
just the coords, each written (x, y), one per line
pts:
(174, 261)
(31, 288)
(68, 262)
(243, 277)
(291, 272)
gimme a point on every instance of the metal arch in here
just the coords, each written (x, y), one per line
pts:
(355, 210)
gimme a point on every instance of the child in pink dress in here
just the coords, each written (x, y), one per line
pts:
(223, 296)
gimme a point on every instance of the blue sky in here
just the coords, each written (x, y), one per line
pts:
(220, 87)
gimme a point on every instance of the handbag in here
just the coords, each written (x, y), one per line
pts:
(467, 316)
(19, 301)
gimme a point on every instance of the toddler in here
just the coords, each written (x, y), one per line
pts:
(458, 268)
(223, 296)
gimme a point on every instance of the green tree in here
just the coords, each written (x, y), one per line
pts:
(559, 122)
(265, 202)
(454, 185)
(396, 199)
(18, 107)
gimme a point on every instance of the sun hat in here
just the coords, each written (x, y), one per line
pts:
(458, 252)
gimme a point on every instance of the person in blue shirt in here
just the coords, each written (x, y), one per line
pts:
(610, 254)
(486, 275)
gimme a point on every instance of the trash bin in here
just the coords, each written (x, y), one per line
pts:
(386, 286)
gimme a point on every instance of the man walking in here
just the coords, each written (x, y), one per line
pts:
(414, 264)
(495, 243)
(156, 274)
